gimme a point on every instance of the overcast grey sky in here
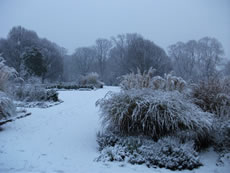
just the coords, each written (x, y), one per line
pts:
(75, 23)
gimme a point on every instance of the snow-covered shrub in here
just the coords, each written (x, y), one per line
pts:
(113, 153)
(34, 80)
(6, 74)
(147, 80)
(30, 93)
(213, 96)
(52, 95)
(153, 113)
(138, 80)
(201, 141)
(221, 135)
(168, 152)
(174, 83)
(70, 86)
(106, 139)
(91, 79)
(7, 107)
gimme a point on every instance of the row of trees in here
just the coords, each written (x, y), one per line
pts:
(197, 60)
(120, 55)
(111, 58)
(193, 61)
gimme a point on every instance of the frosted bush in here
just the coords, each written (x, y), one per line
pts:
(171, 153)
(34, 80)
(152, 113)
(69, 86)
(30, 93)
(114, 153)
(91, 79)
(221, 135)
(148, 80)
(213, 96)
(106, 139)
(174, 83)
(168, 152)
(138, 80)
(52, 95)
(6, 74)
(7, 107)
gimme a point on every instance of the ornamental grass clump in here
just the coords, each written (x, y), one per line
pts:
(7, 107)
(148, 80)
(152, 113)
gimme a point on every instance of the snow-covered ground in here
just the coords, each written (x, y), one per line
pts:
(62, 139)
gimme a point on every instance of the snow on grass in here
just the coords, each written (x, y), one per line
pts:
(62, 139)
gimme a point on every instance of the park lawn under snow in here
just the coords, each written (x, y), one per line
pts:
(62, 139)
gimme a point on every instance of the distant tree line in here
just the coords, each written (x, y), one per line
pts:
(111, 58)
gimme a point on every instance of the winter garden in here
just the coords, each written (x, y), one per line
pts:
(123, 103)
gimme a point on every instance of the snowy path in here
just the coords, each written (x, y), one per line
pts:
(60, 139)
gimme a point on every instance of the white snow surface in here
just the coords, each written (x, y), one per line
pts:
(62, 139)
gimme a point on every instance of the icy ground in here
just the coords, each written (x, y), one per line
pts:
(62, 139)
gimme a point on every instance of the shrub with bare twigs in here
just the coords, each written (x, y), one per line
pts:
(213, 96)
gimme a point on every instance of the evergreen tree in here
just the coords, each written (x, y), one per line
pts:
(34, 63)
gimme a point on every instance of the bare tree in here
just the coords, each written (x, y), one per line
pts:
(82, 61)
(143, 54)
(184, 56)
(131, 52)
(102, 48)
(211, 56)
(196, 60)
